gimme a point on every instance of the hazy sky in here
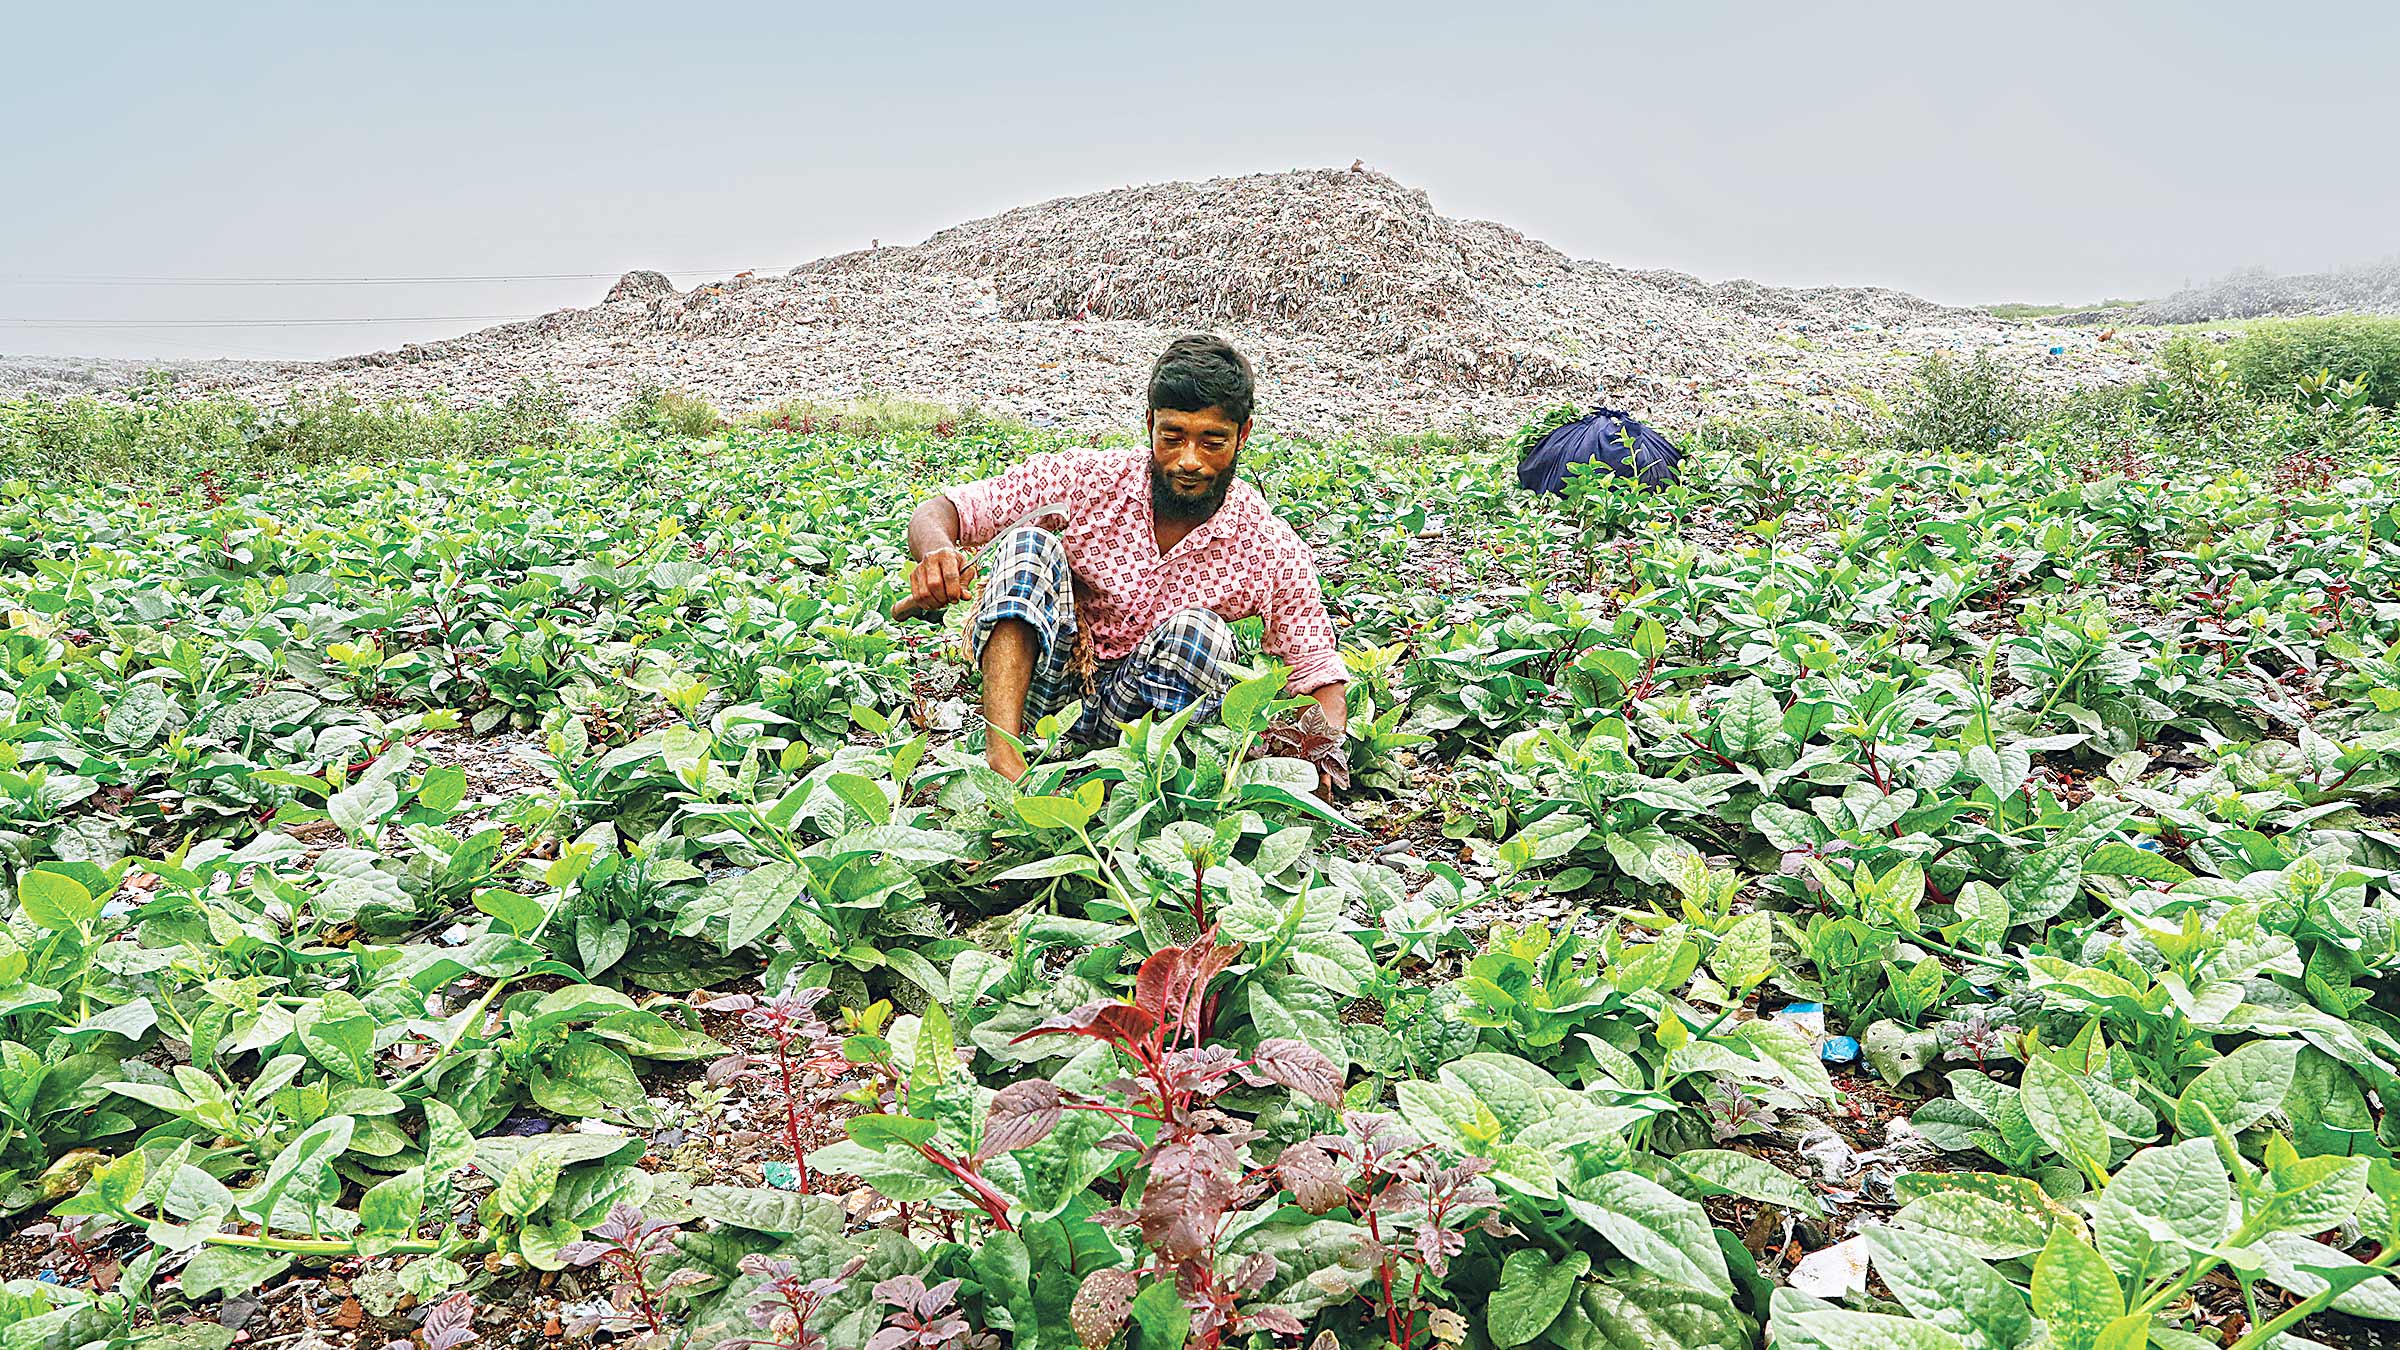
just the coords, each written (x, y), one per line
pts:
(2032, 151)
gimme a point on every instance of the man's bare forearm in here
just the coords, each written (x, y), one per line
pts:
(934, 527)
(1334, 701)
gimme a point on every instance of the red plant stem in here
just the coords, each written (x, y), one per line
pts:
(1383, 1263)
(1105, 1109)
(623, 1260)
(988, 1200)
(791, 1111)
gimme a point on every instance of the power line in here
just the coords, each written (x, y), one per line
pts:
(218, 350)
(261, 323)
(40, 279)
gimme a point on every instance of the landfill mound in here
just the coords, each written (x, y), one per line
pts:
(70, 376)
(1363, 308)
(2255, 293)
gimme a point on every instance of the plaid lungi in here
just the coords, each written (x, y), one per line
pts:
(1187, 659)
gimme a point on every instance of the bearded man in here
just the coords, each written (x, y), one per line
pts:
(1156, 555)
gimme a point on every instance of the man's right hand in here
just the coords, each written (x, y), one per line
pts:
(942, 578)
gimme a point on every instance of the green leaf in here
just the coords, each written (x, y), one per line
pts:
(588, 1078)
(1984, 1225)
(1745, 955)
(1053, 813)
(1750, 718)
(1655, 1228)
(442, 789)
(2177, 1194)
(2003, 770)
(518, 913)
(763, 1210)
(2239, 1089)
(1944, 1284)
(2044, 884)
(2062, 1114)
(1984, 917)
(1632, 1311)
(1245, 705)
(2119, 859)
(216, 1272)
(1056, 865)
(363, 802)
(1725, 1171)
(864, 795)
(2074, 1291)
(905, 843)
(54, 901)
(1792, 1050)
(339, 1033)
(878, 1131)
(303, 1174)
(1335, 961)
(528, 1185)
(755, 901)
(1531, 1293)
(932, 1060)
(448, 1144)
(1841, 1329)
(139, 714)
(1160, 1320)
(392, 1206)
(2133, 1331)
(2311, 1195)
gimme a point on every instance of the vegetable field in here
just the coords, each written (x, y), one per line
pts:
(1866, 896)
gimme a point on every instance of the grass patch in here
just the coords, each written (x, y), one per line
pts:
(2274, 356)
(2025, 311)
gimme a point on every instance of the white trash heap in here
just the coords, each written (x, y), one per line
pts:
(2369, 288)
(1364, 310)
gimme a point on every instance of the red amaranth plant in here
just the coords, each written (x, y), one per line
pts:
(1390, 1179)
(925, 1319)
(630, 1243)
(802, 1045)
(1192, 1179)
(449, 1325)
(787, 1302)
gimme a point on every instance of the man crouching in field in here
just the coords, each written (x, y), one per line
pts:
(1158, 553)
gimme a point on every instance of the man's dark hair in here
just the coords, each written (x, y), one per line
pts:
(1203, 371)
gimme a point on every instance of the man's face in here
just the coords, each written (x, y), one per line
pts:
(1192, 457)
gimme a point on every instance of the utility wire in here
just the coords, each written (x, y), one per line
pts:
(222, 351)
(260, 323)
(38, 279)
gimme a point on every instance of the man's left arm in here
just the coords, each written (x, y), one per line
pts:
(1334, 701)
(1300, 634)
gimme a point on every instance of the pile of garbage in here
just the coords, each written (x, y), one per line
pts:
(1364, 310)
(2255, 293)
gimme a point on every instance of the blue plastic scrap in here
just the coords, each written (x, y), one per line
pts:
(1617, 439)
(1839, 1050)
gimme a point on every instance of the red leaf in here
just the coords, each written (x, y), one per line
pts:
(1191, 1184)
(450, 1324)
(1301, 1068)
(1314, 1179)
(1252, 1275)
(1102, 1021)
(1273, 1319)
(1020, 1116)
(1101, 1304)
(1174, 980)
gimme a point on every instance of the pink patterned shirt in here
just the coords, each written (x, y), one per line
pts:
(1240, 562)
